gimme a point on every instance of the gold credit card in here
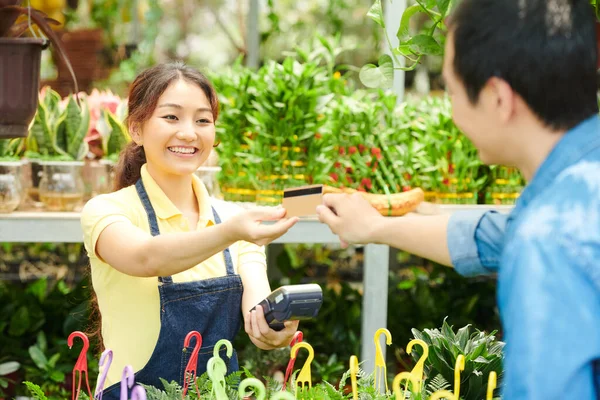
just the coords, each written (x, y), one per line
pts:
(302, 201)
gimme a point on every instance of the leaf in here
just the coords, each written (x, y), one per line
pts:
(42, 343)
(39, 289)
(442, 6)
(403, 31)
(53, 360)
(38, 357)
(35, 391)
(424, 44)
(57, 376)
(20, 322)
(9, 367)
(378, 77)
(376, 13)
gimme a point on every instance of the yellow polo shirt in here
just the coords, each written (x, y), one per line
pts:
(130, 305)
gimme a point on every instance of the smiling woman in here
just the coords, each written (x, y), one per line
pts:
(164, 260)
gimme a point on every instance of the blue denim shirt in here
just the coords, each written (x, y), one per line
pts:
(546, 253)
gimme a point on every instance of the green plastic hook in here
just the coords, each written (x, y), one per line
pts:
(259, 388)
(221, 343)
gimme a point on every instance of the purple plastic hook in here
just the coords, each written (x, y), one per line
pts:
(126, 381)
(138, 393)
(105, 361)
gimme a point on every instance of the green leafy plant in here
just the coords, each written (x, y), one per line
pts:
(412, 47)
(427, 41)
(59, 128)
(482, 352)
(10, 149)
(114, 133)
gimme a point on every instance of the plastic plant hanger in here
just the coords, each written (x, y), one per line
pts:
(441, 394)
(298, 337)
(403, 376)
(216, 370)
(491, 385)
(417, 371)
(192, 365)
(138, 393)
(304, 379)
(81, 365)
(126, 382)
(259, 389)
(104, 365)
(353, 373)
(380, 367)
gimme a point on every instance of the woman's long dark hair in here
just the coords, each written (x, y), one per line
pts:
(144, 93)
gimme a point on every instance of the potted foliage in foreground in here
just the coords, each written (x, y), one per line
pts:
(20, 59)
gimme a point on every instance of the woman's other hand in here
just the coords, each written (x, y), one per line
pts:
(263, 336)
(248, 226)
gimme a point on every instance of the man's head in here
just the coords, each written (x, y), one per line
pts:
(513, 64)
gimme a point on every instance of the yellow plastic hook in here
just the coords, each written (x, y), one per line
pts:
(491, 385)
(353, 373)
(304, 377)
(380, 367)
(417, 371)
(403, 376)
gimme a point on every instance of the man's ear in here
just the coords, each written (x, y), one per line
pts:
(504, 97)
(135, 133)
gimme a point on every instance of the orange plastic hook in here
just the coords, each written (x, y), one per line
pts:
(298, 337)
(80, 365)
(192, 364)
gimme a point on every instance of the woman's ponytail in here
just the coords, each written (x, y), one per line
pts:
(128, 169)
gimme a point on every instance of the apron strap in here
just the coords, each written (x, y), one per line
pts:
(226, 252)
(152, 221)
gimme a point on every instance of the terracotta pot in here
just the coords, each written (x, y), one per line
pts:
(83, 47)
(19, 84)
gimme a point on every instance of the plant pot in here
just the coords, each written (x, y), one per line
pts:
(83, 48)
(61, 186)
(98, 177)
(32, 173)
(19, 84)
(11, 190)
(208, 176)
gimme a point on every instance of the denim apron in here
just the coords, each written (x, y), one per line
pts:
(211, 307)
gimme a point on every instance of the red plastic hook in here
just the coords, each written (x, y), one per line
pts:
(192, 364)
(298, 337)
(81, 364)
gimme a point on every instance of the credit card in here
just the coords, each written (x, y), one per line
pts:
(302, 201)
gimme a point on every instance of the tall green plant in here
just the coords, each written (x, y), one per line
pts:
(482, 352)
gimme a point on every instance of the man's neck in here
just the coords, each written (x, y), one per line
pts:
(535, 144)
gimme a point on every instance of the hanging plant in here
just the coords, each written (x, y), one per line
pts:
(20, 59)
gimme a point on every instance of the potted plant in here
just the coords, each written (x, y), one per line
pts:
(113, 137)
(57, 140)
(19, 85)
(11, 192)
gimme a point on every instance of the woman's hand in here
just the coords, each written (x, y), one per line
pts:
(247, 225)
(263, 336)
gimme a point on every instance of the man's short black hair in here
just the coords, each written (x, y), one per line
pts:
(545, 49)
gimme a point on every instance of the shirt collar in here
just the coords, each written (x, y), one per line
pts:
(164, 207)
(570, 149)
